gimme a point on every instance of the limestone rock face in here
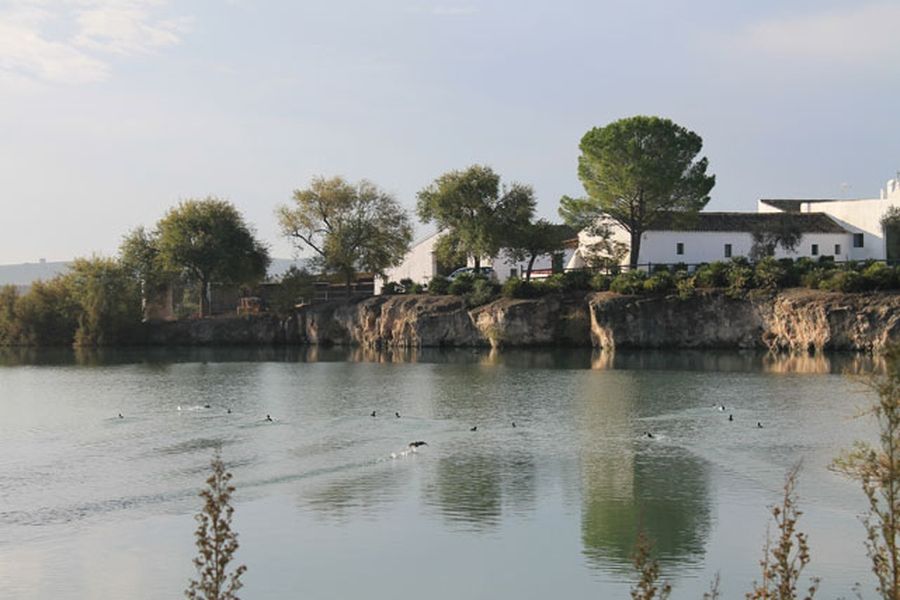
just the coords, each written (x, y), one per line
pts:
(390, 321)
(803, 320)
(705, 321)
(799, 321)
(548, 321)
(793, 320)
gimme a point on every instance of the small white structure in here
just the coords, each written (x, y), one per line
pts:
(843, 229)
(544, 265)
(420, 263)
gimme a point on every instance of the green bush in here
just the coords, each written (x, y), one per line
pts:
(843, 281)
(439, 285)
(659, 283)
(814, 277)
(519, 288)
(630, 282)
(576, 280)
(600, 282)
(712, 275)
(685, 286)
(740, 277)
(462, 284)
(483, 291)
(770, 274)
(879, 276)
(554, 284)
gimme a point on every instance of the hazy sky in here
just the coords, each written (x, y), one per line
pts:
(113, 110)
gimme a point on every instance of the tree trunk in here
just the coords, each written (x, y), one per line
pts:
(635, 249)
(477, 264)
(349, 282)
(204, 298)
(530, 267)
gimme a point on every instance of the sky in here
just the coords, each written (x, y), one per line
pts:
(112, 111)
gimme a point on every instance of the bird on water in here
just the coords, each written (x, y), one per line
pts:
(373, 413)
(648, 434)
(396, 414)
(120, 416)
(758, 425)
(731, 417)
(416, 444)
(474, 428)
(269, 418)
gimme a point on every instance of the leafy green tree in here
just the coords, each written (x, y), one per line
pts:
(208, 241)
(532, 240)
(47, 315)
(108, 300)
(351, 228)
(475, 212)
(216, 542)
(9, 323)
(785, 233)
(636, 172)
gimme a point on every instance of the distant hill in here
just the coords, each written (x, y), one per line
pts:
(25, 274)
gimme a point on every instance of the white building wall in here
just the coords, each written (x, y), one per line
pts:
(857, 216)
(420, 264)
(709, 246)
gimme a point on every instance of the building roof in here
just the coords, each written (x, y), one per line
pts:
(794, 204)
(747, 222)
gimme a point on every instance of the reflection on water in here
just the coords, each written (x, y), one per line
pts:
(563, 358)
(666, 495)
(562, 494)
(475, 490)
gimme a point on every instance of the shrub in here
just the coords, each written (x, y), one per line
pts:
(576, 280)
(679, 268)
(519, 288)
(462, 284)
(483, 291)
(215, 540)
(685, 287)
(739, 276)
(713, 275)
(843, 281)
(659, 268)
(438, 285)
(659, 283)
(554, 284)
(814, 278)
(879, 276)
(770, 274)
(630, 282)
(600, 282)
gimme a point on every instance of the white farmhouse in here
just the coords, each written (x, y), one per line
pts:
(843, 229)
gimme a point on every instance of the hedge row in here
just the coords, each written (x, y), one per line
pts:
(736, 276)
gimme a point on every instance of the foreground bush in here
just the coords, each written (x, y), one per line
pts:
(630, 282)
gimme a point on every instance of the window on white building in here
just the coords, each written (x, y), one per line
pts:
(815, 250)
(679, 248)
(727, 250)
(837, 249)
(858, 240)
(513, 273)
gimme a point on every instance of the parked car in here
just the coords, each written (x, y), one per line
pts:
(485, 272)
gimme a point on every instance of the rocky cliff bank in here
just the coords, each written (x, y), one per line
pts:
(794, 320)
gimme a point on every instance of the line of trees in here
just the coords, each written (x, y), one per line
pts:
(633, 170)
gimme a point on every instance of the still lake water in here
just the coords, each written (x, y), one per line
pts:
(93, 506)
